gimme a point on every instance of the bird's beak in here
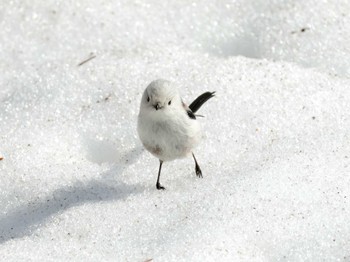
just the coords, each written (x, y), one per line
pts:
(157, 106)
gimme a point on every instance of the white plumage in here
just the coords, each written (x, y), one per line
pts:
(166, 126)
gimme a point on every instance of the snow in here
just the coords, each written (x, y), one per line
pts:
(76, 183)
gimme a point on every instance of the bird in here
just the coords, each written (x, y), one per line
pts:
(167, 127)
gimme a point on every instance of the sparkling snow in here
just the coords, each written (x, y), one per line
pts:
(75, 182)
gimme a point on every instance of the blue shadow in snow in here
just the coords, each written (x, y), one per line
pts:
(24, 220)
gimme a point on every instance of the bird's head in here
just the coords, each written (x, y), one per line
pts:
(160, 96)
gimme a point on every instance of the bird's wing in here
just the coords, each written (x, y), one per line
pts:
(190, 114)
(188, 111)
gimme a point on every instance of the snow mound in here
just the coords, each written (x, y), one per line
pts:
(76, 183)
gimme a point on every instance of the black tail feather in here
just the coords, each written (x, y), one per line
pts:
(199, 101)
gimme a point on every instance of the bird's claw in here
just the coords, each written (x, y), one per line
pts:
(199, 172)
(160, 187)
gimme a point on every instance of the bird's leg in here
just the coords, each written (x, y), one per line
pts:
(158, 185)
(198, 169)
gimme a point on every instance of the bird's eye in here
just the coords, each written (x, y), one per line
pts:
(147, 98)
(169, 103)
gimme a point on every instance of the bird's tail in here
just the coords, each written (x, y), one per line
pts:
(199, 101)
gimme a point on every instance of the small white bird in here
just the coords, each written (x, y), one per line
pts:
(167, 127)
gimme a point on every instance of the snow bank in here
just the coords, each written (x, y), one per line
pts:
(76, 183)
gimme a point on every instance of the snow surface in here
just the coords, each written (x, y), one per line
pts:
(76, 183)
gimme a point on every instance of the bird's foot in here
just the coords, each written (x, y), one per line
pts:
(198, 172)
(159, 186)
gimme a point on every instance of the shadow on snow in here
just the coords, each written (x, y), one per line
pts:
(24, 220)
